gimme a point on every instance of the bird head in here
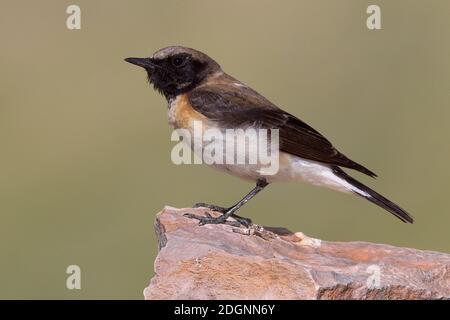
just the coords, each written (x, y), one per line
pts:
(175, 69)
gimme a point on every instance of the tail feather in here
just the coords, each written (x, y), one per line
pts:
(374, 197)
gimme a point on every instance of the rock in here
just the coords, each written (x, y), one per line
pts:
(222, 262)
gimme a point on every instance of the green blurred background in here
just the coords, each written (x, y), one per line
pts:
(85, 145)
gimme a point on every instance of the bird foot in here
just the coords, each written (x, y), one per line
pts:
(246, 222)
(209, 219)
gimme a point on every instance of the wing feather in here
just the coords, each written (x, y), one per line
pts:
(242, 107)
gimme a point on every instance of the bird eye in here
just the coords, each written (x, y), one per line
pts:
(178, 62)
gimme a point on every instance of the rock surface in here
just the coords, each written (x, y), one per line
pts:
(216, 262)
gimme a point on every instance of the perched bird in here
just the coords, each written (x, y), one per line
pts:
(197, 89)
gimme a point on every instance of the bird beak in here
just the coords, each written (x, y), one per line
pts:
(145, 63)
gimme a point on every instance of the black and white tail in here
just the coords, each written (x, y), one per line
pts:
(373, 196)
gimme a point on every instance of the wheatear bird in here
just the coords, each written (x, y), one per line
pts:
(197, 89)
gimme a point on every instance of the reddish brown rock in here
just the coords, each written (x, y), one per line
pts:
(216, 262)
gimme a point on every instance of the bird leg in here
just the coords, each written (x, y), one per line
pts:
(228, 212)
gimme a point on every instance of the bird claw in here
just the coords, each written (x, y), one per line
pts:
(209, 219)
(246, 222)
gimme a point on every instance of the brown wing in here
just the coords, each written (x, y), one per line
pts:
(238, 107)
